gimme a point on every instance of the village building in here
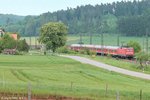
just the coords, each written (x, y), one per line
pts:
(13, 35)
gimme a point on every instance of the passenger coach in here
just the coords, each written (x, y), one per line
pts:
(116, 51)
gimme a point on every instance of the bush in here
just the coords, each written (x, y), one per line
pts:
(87, 51)
(92, 53)
(18, 53)
(72, 52)
(136, 46)
(8, 42)
(22, 46)
(65, 49)
(82, 52)
(1, 47)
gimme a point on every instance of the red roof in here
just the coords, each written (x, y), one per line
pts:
(14, 36)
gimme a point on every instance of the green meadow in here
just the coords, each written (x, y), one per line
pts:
(54, 75)
(121, 63)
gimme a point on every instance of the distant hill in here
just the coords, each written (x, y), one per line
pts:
(86, 19)
(8, 19)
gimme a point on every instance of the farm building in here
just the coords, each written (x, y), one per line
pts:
(13, 35)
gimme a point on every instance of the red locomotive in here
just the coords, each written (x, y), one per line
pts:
(116, 51)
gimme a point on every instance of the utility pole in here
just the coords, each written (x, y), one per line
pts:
(30, 41)
(29, 91)
(35, 42)
(80, 39)
(122, 43)
(102, 43)
(118, 40)
(143, 43)
(147, 40)
(90, 38)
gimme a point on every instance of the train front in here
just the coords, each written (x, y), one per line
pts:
(130, 52)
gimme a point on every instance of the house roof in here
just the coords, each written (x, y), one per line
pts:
(14, 36)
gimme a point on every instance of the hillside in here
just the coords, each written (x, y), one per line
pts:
(8, 19)
(88, 19)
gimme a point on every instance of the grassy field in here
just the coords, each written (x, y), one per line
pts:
(122, 63)
(62, 76)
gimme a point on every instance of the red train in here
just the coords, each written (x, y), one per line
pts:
(116, 51)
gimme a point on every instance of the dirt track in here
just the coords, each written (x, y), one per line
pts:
(109, 67)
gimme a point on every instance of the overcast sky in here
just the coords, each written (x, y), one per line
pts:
(36, 7)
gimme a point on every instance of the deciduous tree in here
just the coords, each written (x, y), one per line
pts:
(135, 45)
(142, 57)
(53, 35)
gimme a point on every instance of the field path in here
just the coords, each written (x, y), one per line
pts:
(109, 67)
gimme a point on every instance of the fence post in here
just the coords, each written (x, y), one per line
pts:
(141, 94)
(117, 96)
(106, 90)
(0, 96)
(4, 80)
(71, 85)
(29, 91)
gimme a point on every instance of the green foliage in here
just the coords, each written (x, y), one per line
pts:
(87, 51)
(9, 19)
(92, 53)
(135, 25)
(135, 45)
(63, 49)
(1, 46)
(66, 50)
(8, 42)
(82, 51)
(53, 35)
(110, 23)
(142, 57)
(22, 45)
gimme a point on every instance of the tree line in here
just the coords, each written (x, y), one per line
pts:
(9, 19)
(126, 17)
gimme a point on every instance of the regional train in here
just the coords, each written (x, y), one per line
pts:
(115, 51)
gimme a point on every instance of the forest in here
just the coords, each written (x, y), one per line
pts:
(125, 18)
(6, 19)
